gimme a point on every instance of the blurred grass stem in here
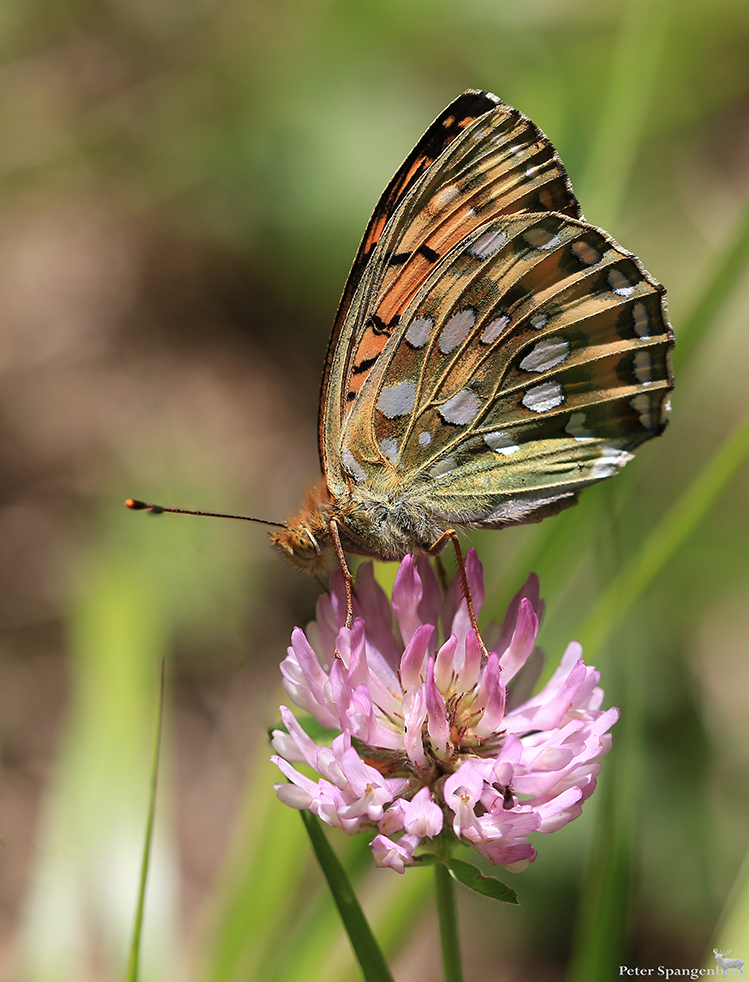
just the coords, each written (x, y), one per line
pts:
(131, 974)
(448, 920)
(623, 117)
(665, 539)
(367, 951)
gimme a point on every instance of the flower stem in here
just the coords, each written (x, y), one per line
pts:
(448, 919)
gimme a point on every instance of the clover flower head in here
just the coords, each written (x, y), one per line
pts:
(428, 742)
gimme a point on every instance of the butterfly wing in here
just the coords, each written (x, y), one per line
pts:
(498, 353)
(506, 164)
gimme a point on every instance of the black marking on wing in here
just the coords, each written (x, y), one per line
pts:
(431, 255)
(378, 326)
(398, 258)
(364, 366)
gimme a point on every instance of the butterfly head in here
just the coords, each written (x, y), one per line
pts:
(305, 540)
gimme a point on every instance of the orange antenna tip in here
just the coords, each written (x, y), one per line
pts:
(137, 505)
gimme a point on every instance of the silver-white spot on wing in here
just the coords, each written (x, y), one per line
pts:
(397, 400)
(542, 239)
(609, 462)
(352, 466)
(457, 330)
(501, 442)
(576, 428)
(641, 405)
(620, 284)
(546, 354)
(542, 398)
(390, 448)
(443, 467)
(444, 197)
(495, 329)
(462, 408)
(487, 244)
(640, 320)
(539, 320)
(643, 367)
(418, 331)
(425, 438)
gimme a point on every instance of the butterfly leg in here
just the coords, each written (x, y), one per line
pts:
(452, 536)
(347, 578)
(441, 573)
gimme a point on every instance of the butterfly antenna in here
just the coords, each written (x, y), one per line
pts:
(137, 505)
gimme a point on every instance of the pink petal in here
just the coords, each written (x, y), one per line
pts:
(407, 594)
(462, 791)
(396, 855)
(422, 816)
(444, 665)
(529, 590)
(491, 697)
(431, 599)
(437, 725)
(303, 659)
(338, 597)
(523, 640)
(468, 673)
(372, 604)
(414, 715)
(413, 662)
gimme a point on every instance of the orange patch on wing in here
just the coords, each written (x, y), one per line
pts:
(375, 232)
(399, 296)
(368, 350)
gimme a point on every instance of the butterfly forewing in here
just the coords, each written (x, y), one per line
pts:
(450, 123)
(530, 360)
(500, 163)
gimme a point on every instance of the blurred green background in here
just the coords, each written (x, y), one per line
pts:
(184, 184)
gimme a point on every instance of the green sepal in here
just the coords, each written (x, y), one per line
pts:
(472, 877)
(426, 859)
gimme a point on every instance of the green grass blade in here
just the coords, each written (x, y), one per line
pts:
(131, 975)
(366, 949)
(257, 886)
(733, 930)
(600, 932)
(726, 272)
(623, 118)
(665, 539)
(395, 903)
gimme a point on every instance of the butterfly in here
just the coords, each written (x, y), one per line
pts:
(492, 355)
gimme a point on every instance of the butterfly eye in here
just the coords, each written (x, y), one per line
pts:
(307, 544)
